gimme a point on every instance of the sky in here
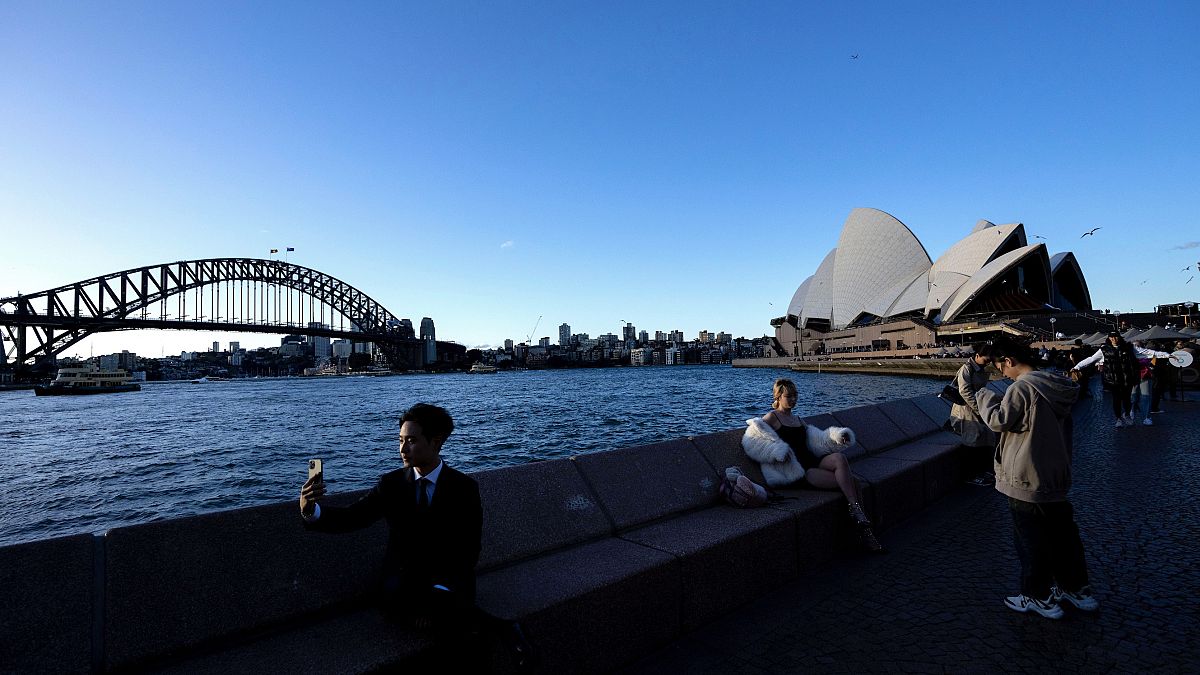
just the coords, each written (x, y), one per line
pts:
(677, 165)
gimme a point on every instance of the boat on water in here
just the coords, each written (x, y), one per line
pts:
(481, 368)
(78, 380)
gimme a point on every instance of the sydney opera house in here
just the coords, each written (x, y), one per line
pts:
(879, 289)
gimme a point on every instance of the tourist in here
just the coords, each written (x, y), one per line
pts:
(964, 417)
(1117, 360)
(794, 453)
(435, 526)
(1033, 469)
(1081, 375)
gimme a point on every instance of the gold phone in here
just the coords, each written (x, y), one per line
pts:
(315, 467)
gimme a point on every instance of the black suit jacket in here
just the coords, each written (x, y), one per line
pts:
(439, 546)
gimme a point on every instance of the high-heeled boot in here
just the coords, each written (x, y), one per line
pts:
(866, 534)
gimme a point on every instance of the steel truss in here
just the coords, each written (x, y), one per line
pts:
(242, 294)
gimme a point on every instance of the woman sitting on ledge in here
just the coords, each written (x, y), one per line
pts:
(792, 452)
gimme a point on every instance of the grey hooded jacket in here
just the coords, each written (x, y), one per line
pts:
(1033, 462)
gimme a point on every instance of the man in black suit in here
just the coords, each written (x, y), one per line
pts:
(435, 524)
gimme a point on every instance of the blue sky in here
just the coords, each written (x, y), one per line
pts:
(677, 165)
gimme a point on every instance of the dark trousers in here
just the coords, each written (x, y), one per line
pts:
(1122, 399)
(1048, 543)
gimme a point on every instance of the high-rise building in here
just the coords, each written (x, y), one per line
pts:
(234, 346)
(628, 332)
(427, 329)
(564, 335)
(508, 345)
(320, 344)
(126, 361)
(406, 329)
(660, 336)
(342, 348)
(643, 337)
(216, 346)
(677, 337)
(703, 336)
(544, 342)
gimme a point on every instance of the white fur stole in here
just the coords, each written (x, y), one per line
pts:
(779, 464)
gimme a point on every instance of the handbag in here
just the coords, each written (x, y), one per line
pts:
(741, 491)
(950, 393)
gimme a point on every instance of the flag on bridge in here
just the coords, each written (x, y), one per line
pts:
(274, 250)
(291, 249)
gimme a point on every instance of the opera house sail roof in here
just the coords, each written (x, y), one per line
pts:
(881, 271)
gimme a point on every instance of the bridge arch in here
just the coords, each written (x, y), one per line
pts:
(244, 295)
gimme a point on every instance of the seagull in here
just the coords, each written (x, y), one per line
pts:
(1186, 268)
(1143, 283)
(1189, 280)
(1038, 236)
(1091, 231)
(854, 57)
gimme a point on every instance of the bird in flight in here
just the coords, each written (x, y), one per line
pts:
(1143, 283)
(1189, 280)
(854, 57)
(1091, 231)
(1038, 236)
(1186, 268)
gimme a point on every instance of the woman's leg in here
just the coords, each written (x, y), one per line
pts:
(834, 472)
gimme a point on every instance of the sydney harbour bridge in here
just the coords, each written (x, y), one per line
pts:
(245, 295)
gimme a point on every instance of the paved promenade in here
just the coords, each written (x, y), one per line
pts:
(935, 603)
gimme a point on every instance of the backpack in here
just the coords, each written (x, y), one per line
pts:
(741, 491)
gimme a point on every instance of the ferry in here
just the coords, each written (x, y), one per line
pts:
(76, 380)
(482, 368)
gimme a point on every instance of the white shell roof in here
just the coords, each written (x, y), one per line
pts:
(964, 259)
(880, 268)
(818, 302)
(986, 275)
(877, 259)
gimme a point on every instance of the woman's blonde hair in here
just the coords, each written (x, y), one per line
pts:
(782, 385)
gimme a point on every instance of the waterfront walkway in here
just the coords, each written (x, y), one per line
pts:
(934, 604)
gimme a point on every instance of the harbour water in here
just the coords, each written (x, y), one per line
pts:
(86, 464)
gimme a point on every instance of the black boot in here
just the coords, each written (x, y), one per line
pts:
(866, 535)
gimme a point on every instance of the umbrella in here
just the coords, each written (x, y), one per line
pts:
(1188, 331)
(1095, 339)
(1160, 333)
(1128, 335)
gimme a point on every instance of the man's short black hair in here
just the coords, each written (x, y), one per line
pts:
(1008, 348)
(982, 348)
(435, 422)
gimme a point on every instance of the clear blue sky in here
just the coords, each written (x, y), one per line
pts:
(677, 165)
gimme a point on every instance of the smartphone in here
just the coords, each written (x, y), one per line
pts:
(315, 467)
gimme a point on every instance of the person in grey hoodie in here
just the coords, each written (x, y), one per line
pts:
(1033, 469)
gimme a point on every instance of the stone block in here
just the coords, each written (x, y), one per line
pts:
(46, 625)
(874, 430)
(941, 464)
(727, 556)
(641, 484)
(176, 584)
(897, 488)
(935, 407)
(724, 449)
(590, 608)
(906, 415)
(552, 495)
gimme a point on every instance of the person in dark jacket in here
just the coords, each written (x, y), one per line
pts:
(435, 526)
(1118, 361)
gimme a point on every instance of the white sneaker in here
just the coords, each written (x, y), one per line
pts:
(1147, 422)
(1120, 423)
(1023, 603)
(1083, 598)
(1128, 419)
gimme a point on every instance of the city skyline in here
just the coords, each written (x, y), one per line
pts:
(673, 163)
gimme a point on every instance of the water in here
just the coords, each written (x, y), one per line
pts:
(89, 463)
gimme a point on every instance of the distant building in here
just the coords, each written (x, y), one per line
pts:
(544, 342)
(508, 346)
(234, 346)
(642, 356)
(628, 333)
(703, 336)
(320, 344)
(564, 335)
(126, 360)
(216, 346)
(427, 329)
(677, 337)
(292, 340)
(406, 329)
(660, 336)
(643, 337)
(342, 349)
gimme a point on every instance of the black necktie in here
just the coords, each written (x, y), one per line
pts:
(422, 494)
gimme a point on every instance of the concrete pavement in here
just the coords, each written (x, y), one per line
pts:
(935, 603)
